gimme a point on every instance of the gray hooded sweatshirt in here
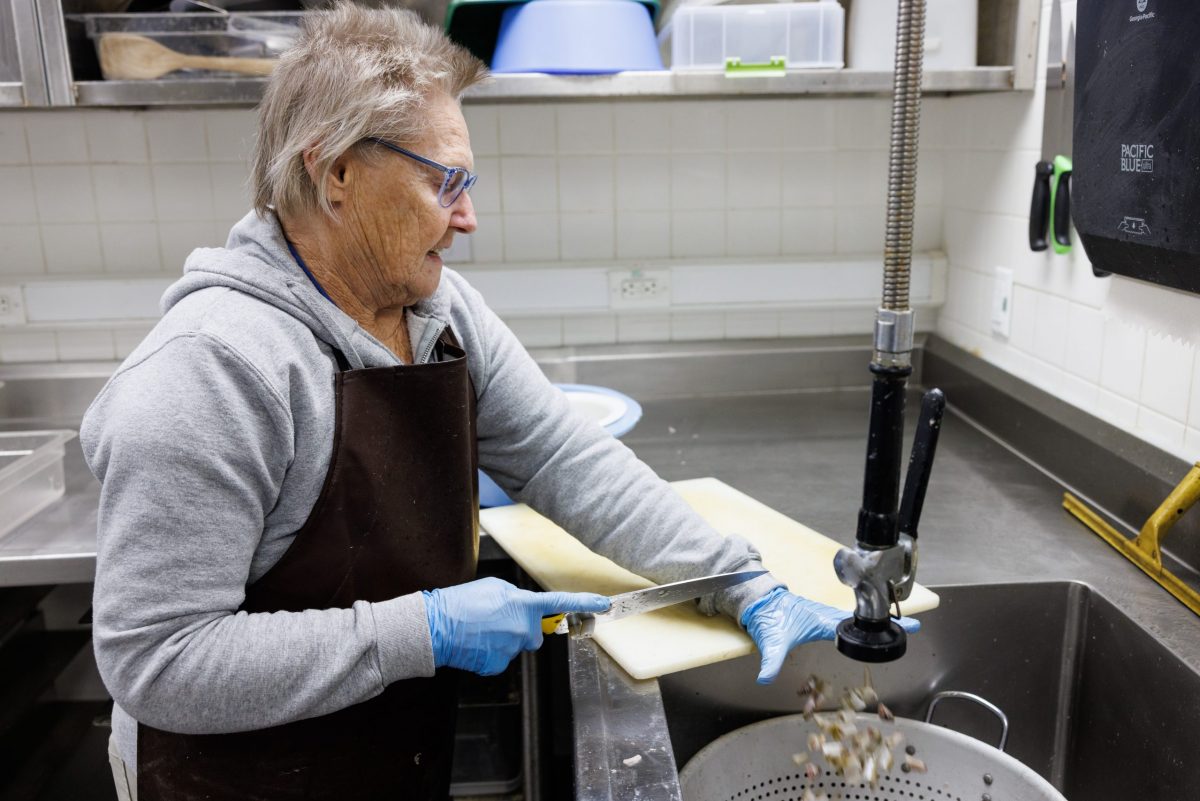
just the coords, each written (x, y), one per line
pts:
(212, 442)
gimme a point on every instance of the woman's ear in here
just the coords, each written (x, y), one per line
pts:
(337, 180)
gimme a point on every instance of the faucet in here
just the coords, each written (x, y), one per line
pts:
(882, 565)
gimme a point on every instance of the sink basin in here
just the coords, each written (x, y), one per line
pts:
(1096, 704)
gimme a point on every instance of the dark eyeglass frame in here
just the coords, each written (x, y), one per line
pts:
(449, 173)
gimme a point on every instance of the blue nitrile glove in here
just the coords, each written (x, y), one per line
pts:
(779, 621)
(480, 626)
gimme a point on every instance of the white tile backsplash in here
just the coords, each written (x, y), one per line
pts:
(1085, 337)
(862, 123)
(72, 249)
(182, 192)
(527, 130)
(124, 192)
(487, 242)
(600, 329)
(697, 233)
(13, 149)
(1166, 377)
(85, 345)
(529, 184)
(1050, 329)
(1160, 430)
(860, 229)
(56, 137)
(530, 237)
(642, 127)
(21, 250)
(806, 231)
(178, 239)
(754, 180)
(537, 332)
(693, 326)
(483, 125)
(585, 128)
(18, 202)
(230, 135)
(753, 232)
(812, 125)
(808, 179)
(130, 247)
(643, 182)
(585, 236)
(861, 177)
(644, 327)
(1123, 359)
(177, 137)
(697, 126)
(643, 234)
(64, 193)
(116, 137)
(698, 181)
(585, 183)
(751, 325)
(231, 191)
(759, 125)
(28, 346)
(485, 194)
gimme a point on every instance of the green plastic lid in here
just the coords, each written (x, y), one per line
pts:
(475, 24)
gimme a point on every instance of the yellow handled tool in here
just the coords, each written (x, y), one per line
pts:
(1144, 550)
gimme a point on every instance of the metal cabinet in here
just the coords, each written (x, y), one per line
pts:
(22, 68)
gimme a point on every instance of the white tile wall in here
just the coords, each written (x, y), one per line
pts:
(1119, 349)
(127, 193)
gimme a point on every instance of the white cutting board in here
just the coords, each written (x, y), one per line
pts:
(679, 637)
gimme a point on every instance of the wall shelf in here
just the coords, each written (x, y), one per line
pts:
(530, 88)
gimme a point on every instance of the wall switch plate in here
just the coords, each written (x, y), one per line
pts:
(639, 289)
(1002, 293)
(12, 306)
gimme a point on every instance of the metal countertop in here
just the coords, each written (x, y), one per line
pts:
(795, 441)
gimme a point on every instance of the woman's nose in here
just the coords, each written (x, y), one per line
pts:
(462, 217)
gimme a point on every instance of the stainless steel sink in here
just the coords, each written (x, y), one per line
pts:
(1096, 704)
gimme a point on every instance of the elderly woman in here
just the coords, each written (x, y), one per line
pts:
(288, 524)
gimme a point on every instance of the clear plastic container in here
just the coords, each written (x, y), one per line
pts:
(31, 473)
(758, 38)
(263, 34)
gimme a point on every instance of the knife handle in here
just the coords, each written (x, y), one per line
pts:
(1060, 201)
(550, 622)
(1039, 208)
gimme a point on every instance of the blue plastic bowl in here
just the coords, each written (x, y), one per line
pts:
(490, 493)
(576, 37)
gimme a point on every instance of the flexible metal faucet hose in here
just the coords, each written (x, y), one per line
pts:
(902, 158)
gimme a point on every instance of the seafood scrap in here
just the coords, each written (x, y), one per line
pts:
(859, 754)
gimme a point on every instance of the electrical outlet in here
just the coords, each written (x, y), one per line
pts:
(1002, 292)
(639, 289)
(12, 306)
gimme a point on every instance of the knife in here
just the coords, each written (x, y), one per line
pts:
(638, 601)
(1050, 209)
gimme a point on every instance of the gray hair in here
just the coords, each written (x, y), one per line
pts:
(353, 73)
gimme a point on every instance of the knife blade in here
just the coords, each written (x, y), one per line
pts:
(634, 603)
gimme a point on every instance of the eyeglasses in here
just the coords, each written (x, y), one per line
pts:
(456, 181)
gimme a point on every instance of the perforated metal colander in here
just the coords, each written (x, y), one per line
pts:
(755, 763)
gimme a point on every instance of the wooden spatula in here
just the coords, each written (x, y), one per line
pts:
(127, 56)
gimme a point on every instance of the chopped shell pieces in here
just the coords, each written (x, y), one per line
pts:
(859, 755)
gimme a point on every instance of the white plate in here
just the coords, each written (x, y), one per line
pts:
(604, 409)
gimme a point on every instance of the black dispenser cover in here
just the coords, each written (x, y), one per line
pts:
(1136, 183)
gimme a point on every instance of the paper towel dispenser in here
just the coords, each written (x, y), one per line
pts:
(1136, 185)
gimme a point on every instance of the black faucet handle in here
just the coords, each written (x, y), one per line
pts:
(920, 463)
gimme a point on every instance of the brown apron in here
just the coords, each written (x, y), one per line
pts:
(398, 514)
